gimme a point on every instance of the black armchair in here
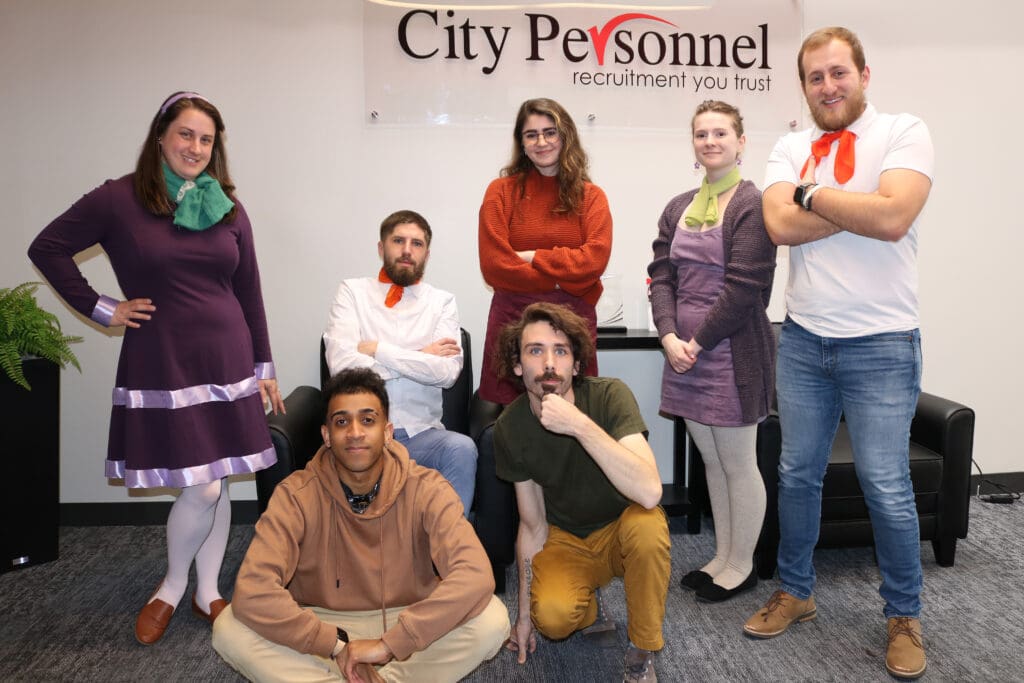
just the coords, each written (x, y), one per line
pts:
(296, 434)
(941, 446)
(496, 516)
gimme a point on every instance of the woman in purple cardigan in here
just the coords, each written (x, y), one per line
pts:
(711, 278)
(195, 370)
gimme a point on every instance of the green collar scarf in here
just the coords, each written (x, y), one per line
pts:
(704, 208)
(201, 203)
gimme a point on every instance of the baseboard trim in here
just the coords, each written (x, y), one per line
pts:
(139, 514)
(1013, 481)
(245, 511)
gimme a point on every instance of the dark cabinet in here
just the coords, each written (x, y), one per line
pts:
(30, 457)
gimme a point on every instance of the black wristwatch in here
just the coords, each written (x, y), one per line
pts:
(342, 635)
(800, 194)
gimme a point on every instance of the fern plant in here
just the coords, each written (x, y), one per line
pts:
(27, 329)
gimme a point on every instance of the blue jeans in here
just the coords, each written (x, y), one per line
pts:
(875, 382)
(450, 453)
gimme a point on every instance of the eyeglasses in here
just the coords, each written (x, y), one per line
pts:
(532, 137)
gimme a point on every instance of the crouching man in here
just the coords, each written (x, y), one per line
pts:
(587, 488)
(339, 582)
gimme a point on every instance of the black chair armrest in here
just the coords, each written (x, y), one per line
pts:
(296, 439)
(456, 399)
(482, 414)
(942, 425)
(947, 427)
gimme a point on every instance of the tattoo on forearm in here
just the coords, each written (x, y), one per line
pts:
(528, 567)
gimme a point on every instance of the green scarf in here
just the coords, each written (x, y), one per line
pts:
(704, 208)
(201, 203)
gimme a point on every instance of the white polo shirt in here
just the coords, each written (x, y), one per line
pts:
(846, 285)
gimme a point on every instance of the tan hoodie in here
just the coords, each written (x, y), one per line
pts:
(310, 548)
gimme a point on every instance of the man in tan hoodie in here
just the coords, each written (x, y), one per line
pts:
(340, 582)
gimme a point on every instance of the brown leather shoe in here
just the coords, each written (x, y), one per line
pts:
(905, 656)
(152, 621)
(781, 611)
(216, 607)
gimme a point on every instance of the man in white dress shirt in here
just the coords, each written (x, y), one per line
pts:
(407, 332)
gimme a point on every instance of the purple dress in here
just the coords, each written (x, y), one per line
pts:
(706, 392)
(186, 403)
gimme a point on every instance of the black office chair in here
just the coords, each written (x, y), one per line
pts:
(296, 434)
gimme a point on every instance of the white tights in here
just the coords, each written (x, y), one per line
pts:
(737, 497)
(197, 529)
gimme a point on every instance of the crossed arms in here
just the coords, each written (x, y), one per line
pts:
(885, 214)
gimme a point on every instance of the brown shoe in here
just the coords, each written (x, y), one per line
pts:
(905, 656)
(216, 607)
(152, 621)
(781, 610)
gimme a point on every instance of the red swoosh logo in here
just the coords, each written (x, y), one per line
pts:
(601, 37)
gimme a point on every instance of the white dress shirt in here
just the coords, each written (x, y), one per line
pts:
(414, 379)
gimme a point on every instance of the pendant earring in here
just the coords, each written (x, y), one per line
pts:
(696, 166)
(739, 161)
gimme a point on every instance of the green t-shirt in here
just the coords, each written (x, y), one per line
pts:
(577, 495)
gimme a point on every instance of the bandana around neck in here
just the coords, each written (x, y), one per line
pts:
(201, 203)
(845, 157)
(704, 207)
(360, 501)
(394, 294)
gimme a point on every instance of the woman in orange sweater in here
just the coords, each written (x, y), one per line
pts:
(545, 231)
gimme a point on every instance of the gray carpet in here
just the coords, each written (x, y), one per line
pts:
(71, 620)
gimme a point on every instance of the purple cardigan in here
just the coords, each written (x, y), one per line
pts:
(739, 311)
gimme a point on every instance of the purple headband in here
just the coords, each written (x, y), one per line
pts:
(181, 96)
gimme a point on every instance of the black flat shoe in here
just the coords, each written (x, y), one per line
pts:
(695, 579)
(712, 592)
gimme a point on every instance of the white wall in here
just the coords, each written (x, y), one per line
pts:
(80, 82)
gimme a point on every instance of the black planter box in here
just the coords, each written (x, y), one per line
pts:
(30, 453)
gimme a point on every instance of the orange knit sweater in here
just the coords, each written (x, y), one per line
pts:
(572, 250)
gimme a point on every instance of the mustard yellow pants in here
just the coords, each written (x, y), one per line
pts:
(568, 569)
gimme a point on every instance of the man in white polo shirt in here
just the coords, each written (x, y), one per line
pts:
(845, 195)
(408, 333)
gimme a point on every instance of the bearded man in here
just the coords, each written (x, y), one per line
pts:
(588, 492)
(408, 333)
(845, 196)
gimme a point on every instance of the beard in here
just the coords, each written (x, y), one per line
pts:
(549, 377)
(404, 277)
(829, 121)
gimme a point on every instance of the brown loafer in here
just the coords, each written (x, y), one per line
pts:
(216, 607)
(905, 655)
(781, 611)
(152, 621)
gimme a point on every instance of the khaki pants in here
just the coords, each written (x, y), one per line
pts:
(568, 569)
(448, 658)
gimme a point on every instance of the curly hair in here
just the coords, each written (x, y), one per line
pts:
(355, 381)
(572, 161)
(150, 187)
(562, 319)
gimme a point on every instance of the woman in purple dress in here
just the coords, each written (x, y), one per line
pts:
(711, 279)
(195, 370)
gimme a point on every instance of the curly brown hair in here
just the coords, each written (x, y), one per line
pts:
(562, 319)
(150, 187)
(572, 162)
